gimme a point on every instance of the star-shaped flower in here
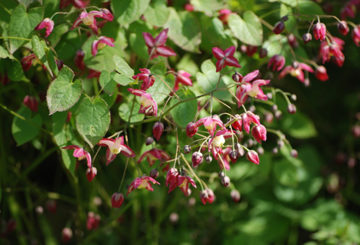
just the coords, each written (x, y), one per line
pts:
(153, 155)
(156, 46)
(143, 182)
(225, 58)
(80, 154)
(148, 105)
(116, 146)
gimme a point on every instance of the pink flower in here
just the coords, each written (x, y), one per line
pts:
(251, 89)
(252, 156)
(356, 35)
(26, 61)
(249, 118)
(93, 74)
(31, 103)
(191, 129)
(88, 19)
(183, 183)
(237, 125)
(279, 27)
(80, 154)
(156, 46)
(216, 143)
(224, 15)
(66, 235)
(48, 24)
(296, 70)
(100, 43)
(321, 73)
(93, 221)
(143, 182)
(91, 173)
(277, 62)
(259, 133)
(148, 105)
(319, 31)
(225, 58)
(147, 78)
(210, 123)
(158, 129)
(196, 159)
(343, 27)
(207, 196)
(189, 7)
(79, 60)
(184, 78)
(117, 200)
(172, 179)
(116, 146)
(332, 49)
(153, 155)
(224, 159)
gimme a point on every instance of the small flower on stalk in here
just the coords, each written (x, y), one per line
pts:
(143, 182)
(196, 158)
(66, 235)
(319, 31)
(343, 28)
(146, 77)
(100, 43)
(158, 129)
(292, 40)
(307, 37)
(224, 15)
(117, 200)
(356, 35)
(291, 108)
(153, 155)
(183, 183)
(279, 27)
(191, 129)
(277, 62)
(80, 154)
(88, 19)
(26, 61)
(207, 196)
(148, 105)
(46, 24)
(31, 103)
(259, 133)
(235, 195)
(91, 173)
(296, 70)
(182, 77)
(249, 118)
(225, 58)
(237, 125)
(93, 221)
(172, 179)
(332, 49)
(321, 74)
(156, 46)
(116, 146)
(210, 123)
(252, 156)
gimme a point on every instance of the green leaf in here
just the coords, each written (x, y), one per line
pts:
(22, 24)
(248, 30)
(161, 88)
(298, 126)
(122, 66)
(186, 111)
(308, 7)
(15, 70)
(4, 53)
(125, 109)
(92, 119)
(63, 93)
(184, 30)
(58, 33)
(104, 59)
(128, 11)
(107, 83)
(208, 79)
(209, 7)
(39, 47)
(136, 40)
(157, 13)
(25, 130)
(121, 79)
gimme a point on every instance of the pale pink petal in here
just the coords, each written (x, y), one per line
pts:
(306, 67)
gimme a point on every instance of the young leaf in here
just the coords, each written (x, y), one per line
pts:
(127, 11)
(63, 93)
(186, 111)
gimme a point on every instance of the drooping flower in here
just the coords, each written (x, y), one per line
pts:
(26, 61)
(93, 221)
(225, 58)
(79, 60)
(277, 62)
(191, 129)
(158, 129)
(356, 35)
(182, 77)
(172, 179)
(210, 123)
(156, 46)
(31, 102)
(183, 183)
(80, 154)
(259, 133)
(100, 43)
(216, 143)
(46, 24)
(117, 200)
(249, 118)
(93, 74)
(252, 156)
(296, 70)
(148, 105)
(207, 196)
(224, 159)
(88, 19)
(321, 73)
(146, 77)
(332, 49)
(224, 15)
(343, 27)
(319, 31)
(196, 158)
(153, 155)
(91, 173)
(116, 146)
(143, 182)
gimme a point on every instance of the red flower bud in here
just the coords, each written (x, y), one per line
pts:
(235, 195)
(307, 37)
(66, 235)
(158, 129)
(259, 133)
(191, 129)
(51, 206)
(197, 158)
(291, 108)
(252, 156)
(207, 195)
(321, 73)
(263, 53)
(279, 27)
(343, 28)
(225, 181)
(93, 221)
(319, 31)
(117, 200)
(292, 41)
(91, 173)
(31, 103)
(237, 77)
